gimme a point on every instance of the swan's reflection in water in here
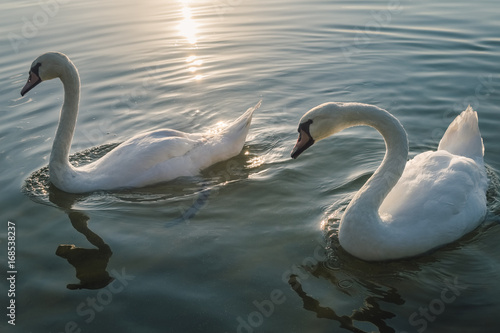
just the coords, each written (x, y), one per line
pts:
(361, 296)
(403, 295)
(370, 311)
(90, 264)
(187, 195)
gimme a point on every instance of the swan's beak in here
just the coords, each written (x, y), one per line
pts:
(303, 142)
(33, 80)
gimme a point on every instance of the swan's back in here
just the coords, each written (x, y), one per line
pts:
(463, 137)
(158, 156)
(441, 194)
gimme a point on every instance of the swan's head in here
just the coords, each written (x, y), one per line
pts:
(46, 67)
(319, 123)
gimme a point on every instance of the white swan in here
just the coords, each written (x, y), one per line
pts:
(406, 208)
(145, 159)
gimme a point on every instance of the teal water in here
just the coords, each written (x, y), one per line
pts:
(250, 245)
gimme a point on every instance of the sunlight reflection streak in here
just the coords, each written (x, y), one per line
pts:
(188, 27)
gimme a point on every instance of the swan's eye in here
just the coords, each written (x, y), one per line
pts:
(35, 69)
(305, 127)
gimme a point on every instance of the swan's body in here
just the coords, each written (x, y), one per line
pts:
(142, 160)
(406, 208)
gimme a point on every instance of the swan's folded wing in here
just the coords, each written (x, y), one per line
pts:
(440, 188)
(142, 152)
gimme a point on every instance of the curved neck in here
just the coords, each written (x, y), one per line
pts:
(372, 194)
(67, 119)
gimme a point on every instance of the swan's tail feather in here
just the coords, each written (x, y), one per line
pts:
(223, 143)
(231, 139)
(463, 137)
(246, 118)
(239, 128)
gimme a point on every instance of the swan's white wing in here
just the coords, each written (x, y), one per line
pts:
(438, 194)
(159, 156)
(148, 149)
(133, 158)
(153, 149)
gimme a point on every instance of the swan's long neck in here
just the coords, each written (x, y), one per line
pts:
(67, 120)
(363, 209)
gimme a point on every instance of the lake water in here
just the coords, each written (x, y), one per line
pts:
(251, 244)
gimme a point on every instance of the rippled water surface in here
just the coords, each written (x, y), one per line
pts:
(251, 244)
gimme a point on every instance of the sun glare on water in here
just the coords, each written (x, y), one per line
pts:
(188, 27)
